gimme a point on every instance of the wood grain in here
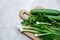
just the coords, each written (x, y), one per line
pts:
(30, 35)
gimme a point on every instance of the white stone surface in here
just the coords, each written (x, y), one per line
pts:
(9, 16)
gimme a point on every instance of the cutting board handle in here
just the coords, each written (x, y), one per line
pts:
(22, 12)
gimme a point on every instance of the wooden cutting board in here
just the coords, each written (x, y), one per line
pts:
(28, 34)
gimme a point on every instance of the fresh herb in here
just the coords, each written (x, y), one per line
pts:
(43, 26)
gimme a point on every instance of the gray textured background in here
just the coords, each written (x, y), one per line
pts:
(9, 16)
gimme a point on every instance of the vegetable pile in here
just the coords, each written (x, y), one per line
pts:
(44, 23)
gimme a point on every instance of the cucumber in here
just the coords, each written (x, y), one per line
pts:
(45, 11)
(56, 18)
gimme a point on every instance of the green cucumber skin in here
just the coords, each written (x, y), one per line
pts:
(56, 18)
(46, 11)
